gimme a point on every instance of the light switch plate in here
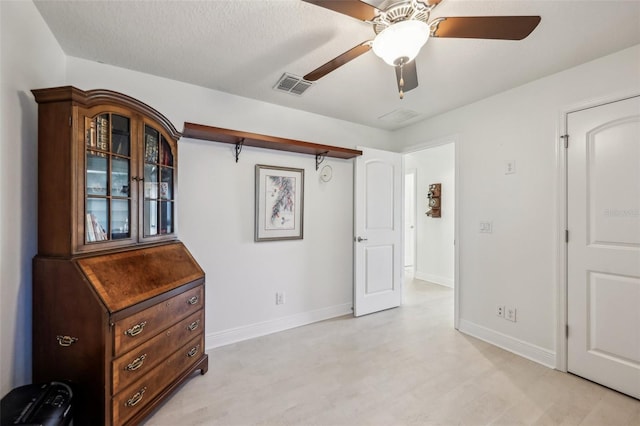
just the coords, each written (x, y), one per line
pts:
(486, 227)
(509, 167)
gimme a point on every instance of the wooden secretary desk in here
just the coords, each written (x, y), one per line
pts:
(118, 301)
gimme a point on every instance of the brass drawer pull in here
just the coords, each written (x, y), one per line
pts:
(136, 329)
(193, 351)
(136, 363)
(66, 340)
(193, 325)
(193, 300)
(135, 399)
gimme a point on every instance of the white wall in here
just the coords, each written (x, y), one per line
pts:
(434, 236)
(516, 264)
(216, 205)
(215, 214)
(30, 58)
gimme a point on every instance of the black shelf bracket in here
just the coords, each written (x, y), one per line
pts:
(320, 158)
(239, 146)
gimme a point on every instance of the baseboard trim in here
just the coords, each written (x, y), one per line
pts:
(436, 279)
(238, 334)
(511, 344)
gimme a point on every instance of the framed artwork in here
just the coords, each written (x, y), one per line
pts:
(279, 203)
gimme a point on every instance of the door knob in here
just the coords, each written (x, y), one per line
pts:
(360, 239)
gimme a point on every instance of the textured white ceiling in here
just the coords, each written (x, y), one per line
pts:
(244, 46)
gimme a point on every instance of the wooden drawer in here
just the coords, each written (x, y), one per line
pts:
(140, 327)
(134, 364)
(135, 397)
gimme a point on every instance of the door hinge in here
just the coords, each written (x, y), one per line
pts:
(566, 330)
(69, 121)
(566, 235)
(566, 140)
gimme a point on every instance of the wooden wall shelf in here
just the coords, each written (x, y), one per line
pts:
(238, 138)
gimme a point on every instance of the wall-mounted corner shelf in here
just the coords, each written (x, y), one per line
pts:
(240, 139)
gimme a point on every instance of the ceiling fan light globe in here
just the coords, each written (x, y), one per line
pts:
(402, 39)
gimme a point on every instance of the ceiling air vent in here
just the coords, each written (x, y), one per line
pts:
(399, 116)
(292, 84)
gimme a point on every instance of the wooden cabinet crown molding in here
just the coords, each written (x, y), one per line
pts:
(95, 97)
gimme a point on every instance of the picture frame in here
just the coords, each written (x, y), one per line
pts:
(279, 203)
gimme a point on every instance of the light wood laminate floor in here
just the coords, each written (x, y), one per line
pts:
(404, 366)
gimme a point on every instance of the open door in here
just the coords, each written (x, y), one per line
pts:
(378, 231)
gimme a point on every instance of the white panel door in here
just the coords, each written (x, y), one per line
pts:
(603, 190)
(378, 231)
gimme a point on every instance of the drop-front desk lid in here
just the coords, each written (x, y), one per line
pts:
(125, 278)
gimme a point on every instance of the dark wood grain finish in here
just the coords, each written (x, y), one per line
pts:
(487, 27)
(125, 278)
(55, 203)
(136, 363)
(201, 365)
(64, 305)
(91, 98)
(156, 319)
(62, 127)
(217, 134)
(354, 8)
(338, 61)
(157, 379)
(85, 293)
(409, 75)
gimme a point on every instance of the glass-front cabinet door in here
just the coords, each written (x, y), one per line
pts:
(108, 178)
(129, 190)
(158, 205)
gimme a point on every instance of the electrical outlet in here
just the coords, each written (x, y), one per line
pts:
(280, 298)
(500, 311)
(510, 314)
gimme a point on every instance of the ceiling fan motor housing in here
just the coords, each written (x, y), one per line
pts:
(402, 11)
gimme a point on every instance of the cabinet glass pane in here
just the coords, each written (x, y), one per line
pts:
(96, 219)
(151, 181)
(166, 184)
(120, 142)
(96, 173)
(167, 155)
(119, 219)
(102, 132)
(150, 145)
(166, 217)
(120, 123)
(150, 218)
(119, 177)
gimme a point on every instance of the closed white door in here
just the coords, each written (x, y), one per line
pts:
(603, 190)
(409, 218)
(378, 231)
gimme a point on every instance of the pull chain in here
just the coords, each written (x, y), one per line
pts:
(401, 82)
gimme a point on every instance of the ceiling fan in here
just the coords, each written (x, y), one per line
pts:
(403, 28)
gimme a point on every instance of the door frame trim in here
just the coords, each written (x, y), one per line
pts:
(562, 224)
(414, 173)
(457, 279)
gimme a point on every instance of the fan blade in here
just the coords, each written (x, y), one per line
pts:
(354, 8)
(409, 75)
(488, 27)
(338, 61)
